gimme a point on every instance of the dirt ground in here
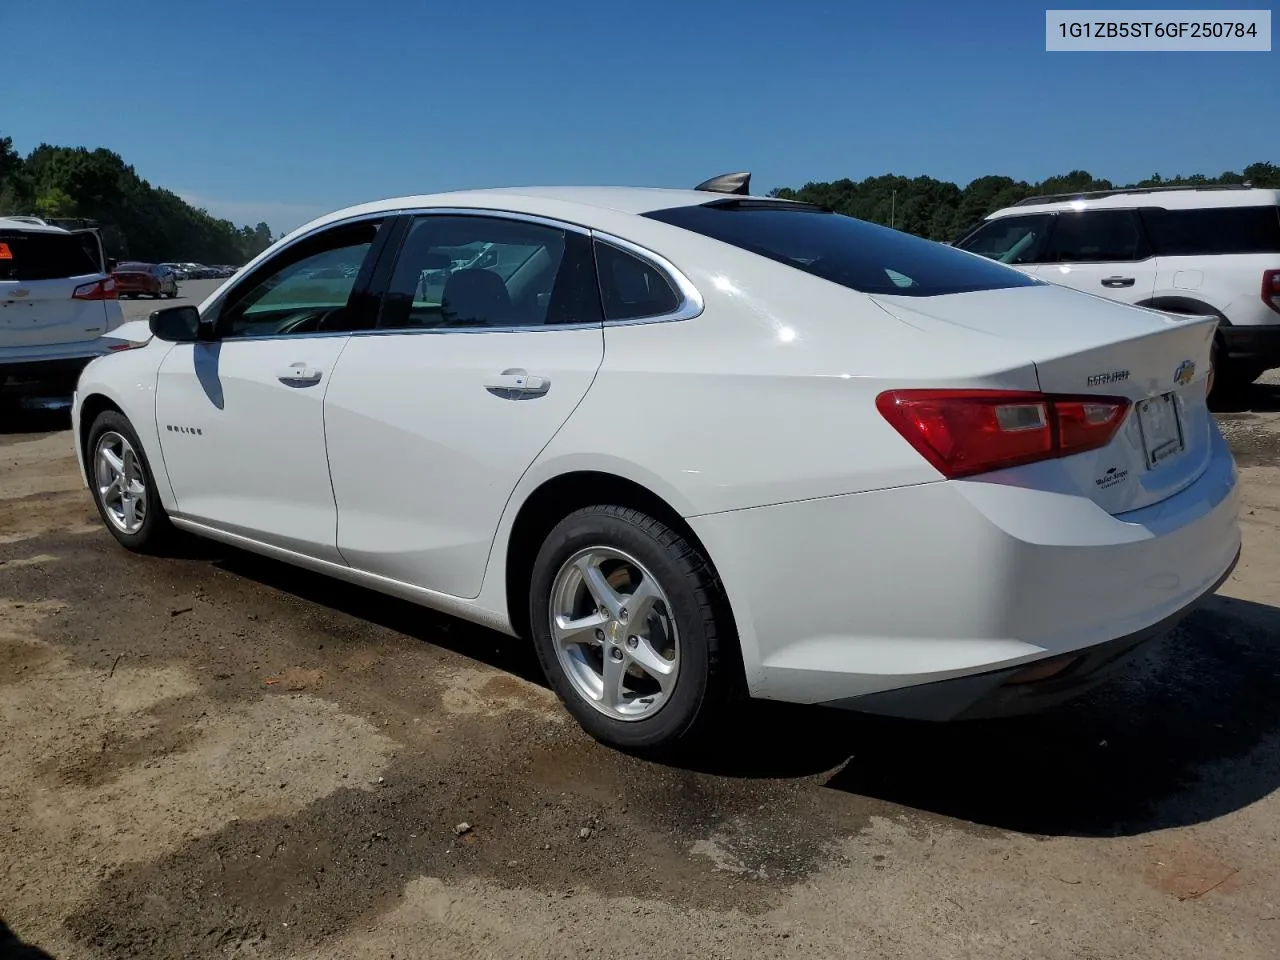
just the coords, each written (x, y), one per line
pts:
(214, 755)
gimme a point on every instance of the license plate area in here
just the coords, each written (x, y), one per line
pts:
(1161, 429)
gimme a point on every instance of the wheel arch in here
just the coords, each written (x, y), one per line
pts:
(91, 407)
(1177, 303)
(96, 394)
(558, 496)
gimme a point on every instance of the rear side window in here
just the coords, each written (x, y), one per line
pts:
(460, 272)
(43, 256)
(1098, 236)
(1011, 239)
(850, 252)
(1184, 233)
(630, 288)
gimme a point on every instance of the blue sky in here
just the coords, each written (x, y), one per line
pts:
(283, 109)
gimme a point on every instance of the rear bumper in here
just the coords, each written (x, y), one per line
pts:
(901, 590)
(1005, 693)
(1253, 345)
(56, 366)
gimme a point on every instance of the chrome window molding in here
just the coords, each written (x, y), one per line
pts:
(215, 307)
(414, 331)
(494, 213)
(691, 303)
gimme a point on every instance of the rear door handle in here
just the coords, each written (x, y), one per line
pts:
(300, 375)
(1117, 281)
(517, 384)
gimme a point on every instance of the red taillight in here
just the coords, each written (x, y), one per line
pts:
(1271, 289)
(963, 432)
(98, 290)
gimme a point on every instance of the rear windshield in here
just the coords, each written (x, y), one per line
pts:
(850, 252)
(43, 256)
(134, 268)
(1184, 233)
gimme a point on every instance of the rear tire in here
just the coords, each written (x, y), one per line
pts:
(1230, 379)
(667, 662)
(123, 485)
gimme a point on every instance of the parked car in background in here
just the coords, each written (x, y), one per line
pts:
(198, 271)
(693, 445)
(1204, 251)
(57, 304)
(177, 269)
(145, 279)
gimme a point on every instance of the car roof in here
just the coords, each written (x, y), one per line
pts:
(29, 225)
(589, 205)
(1189, 198)
(618, 199)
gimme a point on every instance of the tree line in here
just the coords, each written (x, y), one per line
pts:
(150, 223)
(940, 210)
(139, 221)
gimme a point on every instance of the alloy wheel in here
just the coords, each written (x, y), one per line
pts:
(614, 633)
(121, 482)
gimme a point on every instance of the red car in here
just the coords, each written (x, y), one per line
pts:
(153, 279)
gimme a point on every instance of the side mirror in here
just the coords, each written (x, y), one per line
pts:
(112, 263)
(180, 325)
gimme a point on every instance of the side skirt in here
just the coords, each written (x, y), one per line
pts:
(454, 606)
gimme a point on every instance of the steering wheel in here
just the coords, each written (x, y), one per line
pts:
(312, 321)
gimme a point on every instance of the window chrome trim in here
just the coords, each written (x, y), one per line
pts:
(413, 331)
(691, 303)
(215, 307)
(493, 213)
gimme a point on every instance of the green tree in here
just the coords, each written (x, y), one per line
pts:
(940, 210)
(139, 220)
(53, 201)
(15, 185)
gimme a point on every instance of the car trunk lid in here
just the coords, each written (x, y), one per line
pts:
(1084, 345)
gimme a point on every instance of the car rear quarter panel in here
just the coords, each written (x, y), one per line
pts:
(769, 395)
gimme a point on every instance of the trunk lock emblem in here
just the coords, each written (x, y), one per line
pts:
(1185, 373)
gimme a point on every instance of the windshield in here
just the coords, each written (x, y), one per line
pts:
(1017, 239)
(853, 253)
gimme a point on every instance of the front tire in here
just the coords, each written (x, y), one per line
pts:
(631, 627)
(123, 485)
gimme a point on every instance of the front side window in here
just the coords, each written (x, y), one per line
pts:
(305, 289)
(1017, 239)
(44, 256)
(1213, 230)
(1097, 236)
(853, 253)
(478, 272)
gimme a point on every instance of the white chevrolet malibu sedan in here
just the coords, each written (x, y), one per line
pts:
(695, 445)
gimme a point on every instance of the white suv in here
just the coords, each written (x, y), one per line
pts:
(57, 303)
(1210, 251)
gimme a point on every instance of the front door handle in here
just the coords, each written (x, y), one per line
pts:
(1117, 281)
(517, 384)
(300, 375)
